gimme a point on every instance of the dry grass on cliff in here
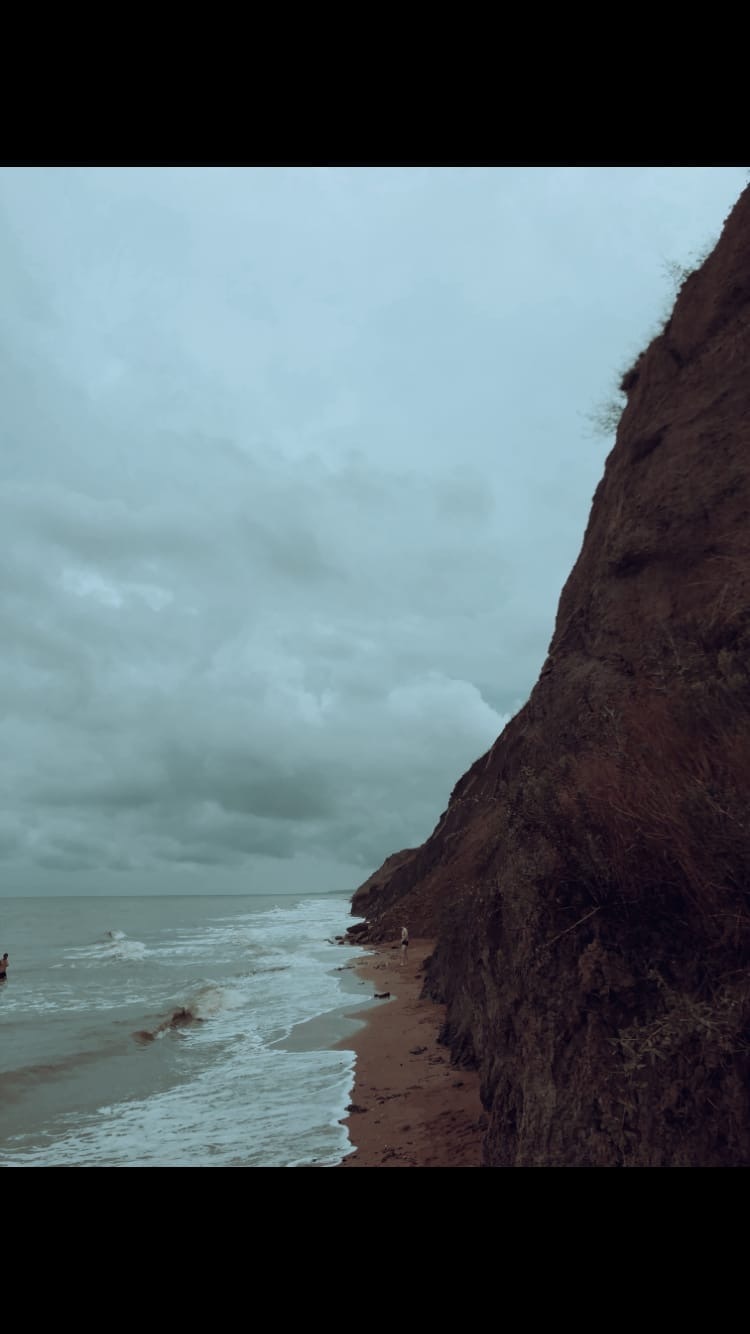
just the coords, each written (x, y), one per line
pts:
(717, 1021)
(664, 813)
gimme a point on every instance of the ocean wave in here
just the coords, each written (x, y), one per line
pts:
(114, 945)
(180, 1018)
(206, 1004)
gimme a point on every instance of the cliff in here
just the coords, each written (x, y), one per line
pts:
(589, 883)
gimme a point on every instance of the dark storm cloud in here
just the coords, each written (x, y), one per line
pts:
(293, 466)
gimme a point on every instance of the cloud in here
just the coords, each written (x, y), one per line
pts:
(292, 473)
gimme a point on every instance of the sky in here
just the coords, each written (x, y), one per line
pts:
(294, 464)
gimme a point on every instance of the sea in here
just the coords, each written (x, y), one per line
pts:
(177, 1031)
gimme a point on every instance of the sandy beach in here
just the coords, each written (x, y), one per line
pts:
(410, 1107)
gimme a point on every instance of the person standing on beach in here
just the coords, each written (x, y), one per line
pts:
(3, 967)
(404, 945)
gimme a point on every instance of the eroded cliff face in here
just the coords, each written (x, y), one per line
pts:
(589, 883)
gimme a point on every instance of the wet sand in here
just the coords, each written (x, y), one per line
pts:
(410, 1107)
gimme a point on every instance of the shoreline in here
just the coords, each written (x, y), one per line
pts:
(409, 1106)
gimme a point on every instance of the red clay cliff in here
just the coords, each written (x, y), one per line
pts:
(589, 883)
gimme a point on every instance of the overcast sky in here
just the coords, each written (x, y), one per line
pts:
(294, 463)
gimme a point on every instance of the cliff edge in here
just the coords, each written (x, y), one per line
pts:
(589, 882)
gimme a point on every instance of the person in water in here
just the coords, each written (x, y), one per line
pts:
(3, 967)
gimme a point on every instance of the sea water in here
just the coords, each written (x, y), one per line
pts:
(176, 1031)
